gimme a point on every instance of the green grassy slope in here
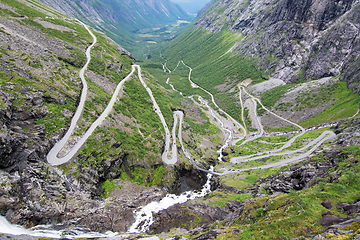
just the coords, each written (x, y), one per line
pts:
(206, 53)
(218, 70)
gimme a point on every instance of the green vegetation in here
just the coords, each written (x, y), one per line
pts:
(276, 139)
(345, 104)
(66, 36)
(141, 32)
(205, 53)
(23, 10)
(204, 129)
(304, 207)
(109, 63)
(109, 187)
(269, 98)
(132, 142)
(342, 103)
(312, 99)
(220, 199)
(157, 176)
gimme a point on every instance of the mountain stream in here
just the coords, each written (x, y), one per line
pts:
(144, 216)
(49, 231)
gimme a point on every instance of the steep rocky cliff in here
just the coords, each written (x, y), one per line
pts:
(293, 40)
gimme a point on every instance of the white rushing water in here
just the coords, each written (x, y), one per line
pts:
(144, 216)
(47, 231)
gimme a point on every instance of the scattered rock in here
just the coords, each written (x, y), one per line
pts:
(326, 204)
(349, 208)
(188, 214)
(208, 235)
(328, 220)
(326, 213)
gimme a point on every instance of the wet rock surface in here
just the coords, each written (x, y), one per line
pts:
(189, 215)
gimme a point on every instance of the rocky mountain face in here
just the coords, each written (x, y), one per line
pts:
(133, 14)
(293, 40)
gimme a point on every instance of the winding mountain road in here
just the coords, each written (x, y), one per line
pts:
(170, 157)
(286, 145)
(326, 135)
(52, 156)
(165, 158)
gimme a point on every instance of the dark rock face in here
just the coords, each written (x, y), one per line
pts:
(318, 13)
(294, 40)
(39, 194)
(207, 235)
(349, 208)
(188, 214)
(300, 176)
(326, 204)
(188, 178)
(21, 139)
(328, 220)
(349, 135)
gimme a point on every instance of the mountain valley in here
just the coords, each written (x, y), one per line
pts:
(141, 26)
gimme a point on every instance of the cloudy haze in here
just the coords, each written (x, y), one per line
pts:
(191, 6)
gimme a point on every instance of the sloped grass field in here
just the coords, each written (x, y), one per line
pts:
(346, 104)
(341, 102)
(207, 54)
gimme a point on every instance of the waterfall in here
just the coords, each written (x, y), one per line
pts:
(144, 216)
